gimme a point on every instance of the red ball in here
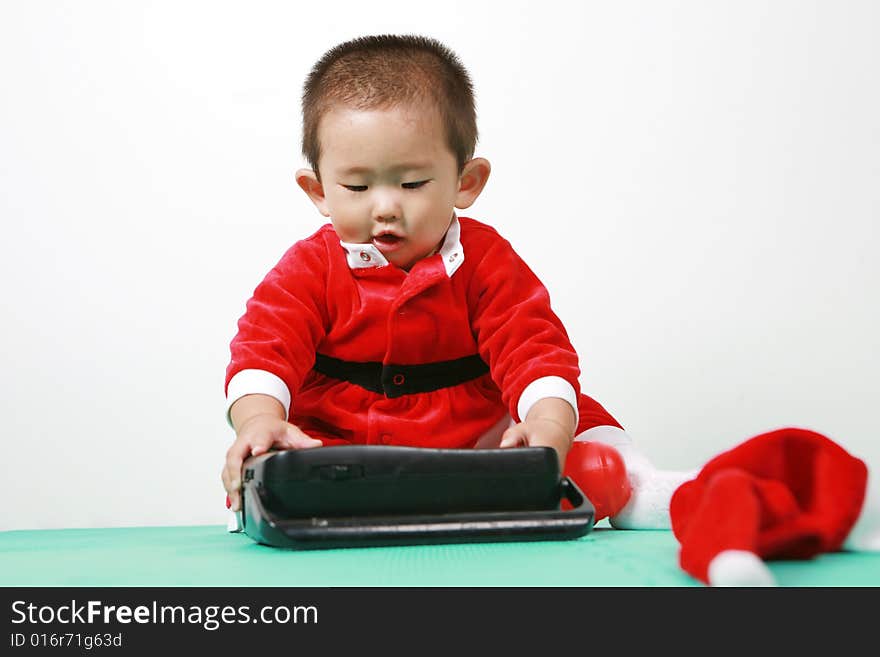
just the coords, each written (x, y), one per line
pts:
(599, 471)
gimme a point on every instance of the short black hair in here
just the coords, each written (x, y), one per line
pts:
(386, 71)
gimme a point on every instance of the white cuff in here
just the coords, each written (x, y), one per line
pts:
(548, 386)
(256, 382)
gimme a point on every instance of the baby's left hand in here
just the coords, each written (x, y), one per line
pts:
(550, 423)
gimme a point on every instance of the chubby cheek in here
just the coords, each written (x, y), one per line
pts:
(348, 229)
(433, 217)
(347, 220)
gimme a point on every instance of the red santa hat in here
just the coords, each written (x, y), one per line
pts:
(790, 493)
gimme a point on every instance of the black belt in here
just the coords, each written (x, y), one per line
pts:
(399, 380)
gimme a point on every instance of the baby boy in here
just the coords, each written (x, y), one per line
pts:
(400, 322)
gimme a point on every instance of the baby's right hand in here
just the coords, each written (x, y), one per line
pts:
(256, 436)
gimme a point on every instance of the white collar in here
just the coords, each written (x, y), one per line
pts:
(361, 256)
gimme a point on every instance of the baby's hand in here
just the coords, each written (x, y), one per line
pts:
(256, 436)
(550, 423)
(539, 433)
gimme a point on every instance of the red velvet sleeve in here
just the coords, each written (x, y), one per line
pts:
(518, 335)
(286, 317)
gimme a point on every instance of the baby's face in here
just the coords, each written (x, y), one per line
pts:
(388, 178)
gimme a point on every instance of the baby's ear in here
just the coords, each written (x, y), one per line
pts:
(471, 182)
(308, 181)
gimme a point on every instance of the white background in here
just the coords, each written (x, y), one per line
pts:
(695, 182)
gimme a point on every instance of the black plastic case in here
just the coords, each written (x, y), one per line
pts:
(350, 496)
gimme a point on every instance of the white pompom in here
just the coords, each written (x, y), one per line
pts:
(739, 568)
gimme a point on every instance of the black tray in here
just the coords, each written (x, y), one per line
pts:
(351, 496)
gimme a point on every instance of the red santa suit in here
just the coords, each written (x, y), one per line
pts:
(360, 351)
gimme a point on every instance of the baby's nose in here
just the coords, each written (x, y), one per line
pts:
(386, 207)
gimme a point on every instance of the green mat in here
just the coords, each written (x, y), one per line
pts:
(209, 556)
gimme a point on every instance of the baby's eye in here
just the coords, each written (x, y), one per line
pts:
(356, 188)
(414, 185)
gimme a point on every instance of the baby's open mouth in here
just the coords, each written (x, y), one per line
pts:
(386, 240)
